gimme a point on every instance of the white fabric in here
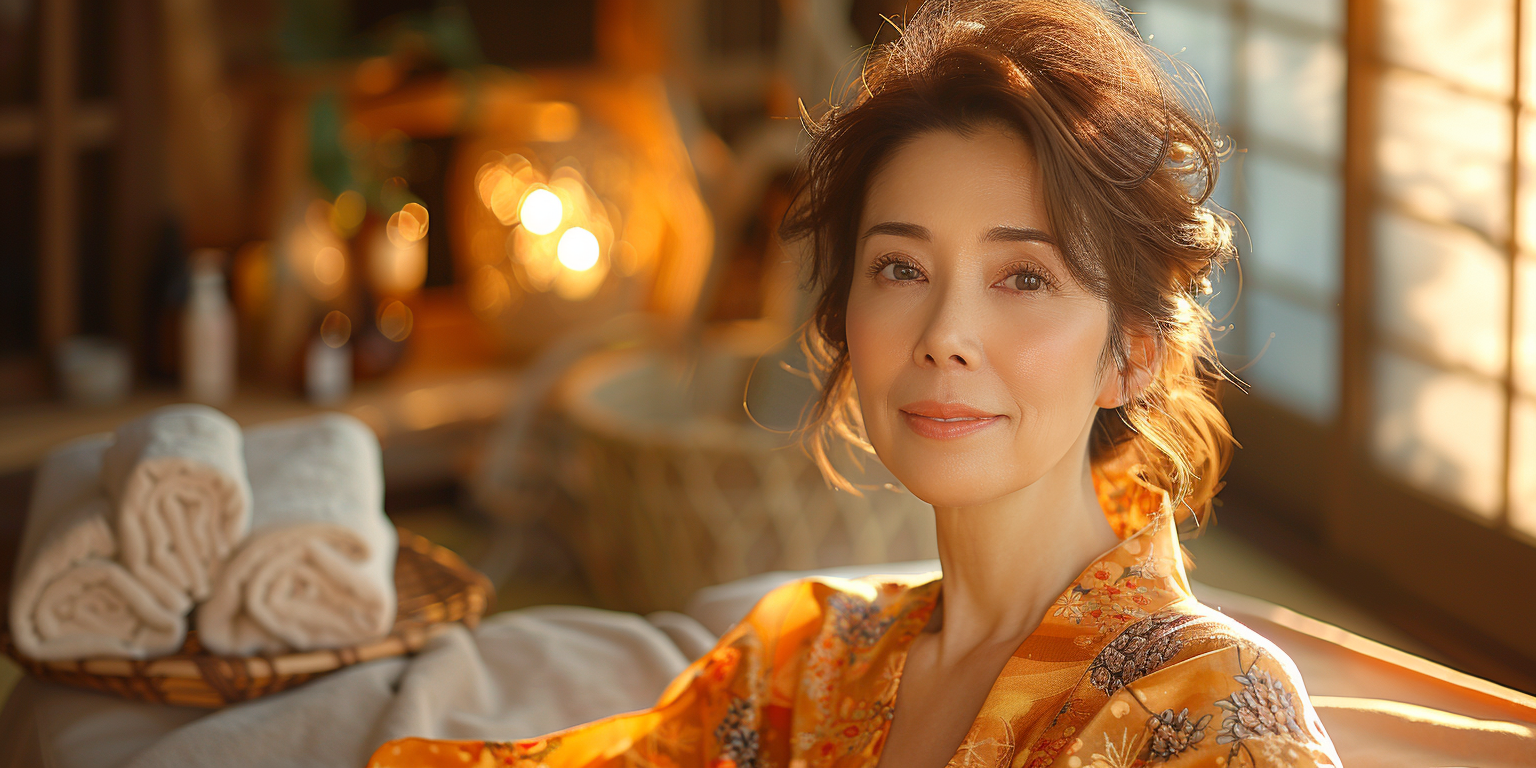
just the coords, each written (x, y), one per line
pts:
(522, 673)
(317, 570)
(181, 502)
(69, 598)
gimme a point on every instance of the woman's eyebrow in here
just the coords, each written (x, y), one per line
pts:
(899, 229)
(1007, 234)
(998, 234)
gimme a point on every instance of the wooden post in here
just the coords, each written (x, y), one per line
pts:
(1351, 444)
(138, 197)
(58, 247)
(1512, 253)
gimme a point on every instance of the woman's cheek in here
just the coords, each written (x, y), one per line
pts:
(876, 353)
(1051, 367)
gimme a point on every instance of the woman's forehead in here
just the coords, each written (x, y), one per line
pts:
(958, 186)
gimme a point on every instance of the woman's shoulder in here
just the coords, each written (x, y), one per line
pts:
(1199, 680)
(1201, 627)
(1181, 638)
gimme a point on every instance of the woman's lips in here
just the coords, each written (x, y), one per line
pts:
(946, 421)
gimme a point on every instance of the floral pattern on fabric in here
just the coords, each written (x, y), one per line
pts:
(1173, 734)
(1141, 648)
(1112, 594)
(1126, 670)
(1264, 707)
(737, 735)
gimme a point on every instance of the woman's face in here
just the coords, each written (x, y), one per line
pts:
(975, 355)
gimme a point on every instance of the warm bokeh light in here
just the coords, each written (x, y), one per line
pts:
(407, 225)
(572, 285)
(541, 211)
(330, 265)
(535, 254)
(315, 255)
(568, 236)
(578, 249)
(395, 320)
(501, 183)
(347, 213)
(335, 329)
(397, 266)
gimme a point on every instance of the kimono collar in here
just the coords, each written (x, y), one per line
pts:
(1126, 584)
(1137, 576)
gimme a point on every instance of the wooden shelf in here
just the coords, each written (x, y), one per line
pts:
(394, 408)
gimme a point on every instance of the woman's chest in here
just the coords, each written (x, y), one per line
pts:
(847, 712)
(938, 703)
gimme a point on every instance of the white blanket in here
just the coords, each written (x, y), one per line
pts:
(70, 599)
(181, 502)
(317, 570)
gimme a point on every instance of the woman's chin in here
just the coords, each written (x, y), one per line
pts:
(946, 489)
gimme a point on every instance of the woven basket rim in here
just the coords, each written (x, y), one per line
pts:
(469, 594)
(578, 395)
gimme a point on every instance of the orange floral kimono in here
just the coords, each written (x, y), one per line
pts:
(1127, 669)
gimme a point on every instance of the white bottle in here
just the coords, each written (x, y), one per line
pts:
(328, 361)
(208, 334)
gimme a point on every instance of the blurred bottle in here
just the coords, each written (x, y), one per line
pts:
(328, 361)
(208, 333)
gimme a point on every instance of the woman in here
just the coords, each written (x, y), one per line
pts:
(1009, 229)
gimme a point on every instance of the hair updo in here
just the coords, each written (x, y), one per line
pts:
(1129, 157)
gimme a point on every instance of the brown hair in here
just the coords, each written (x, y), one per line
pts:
(1129, 157)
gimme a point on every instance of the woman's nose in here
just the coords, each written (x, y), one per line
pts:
(950, 338)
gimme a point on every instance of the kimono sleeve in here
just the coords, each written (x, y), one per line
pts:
(708, 715)
(1233, 707)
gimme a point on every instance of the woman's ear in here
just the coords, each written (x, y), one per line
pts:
(1141, 360)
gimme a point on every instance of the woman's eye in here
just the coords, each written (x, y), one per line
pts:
(899, 271)
(1025, 281)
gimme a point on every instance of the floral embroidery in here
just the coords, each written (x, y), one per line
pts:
(1149, 567)
(1262, 708)
(1122, 755)
(1142, 648)
(857, 622)
(1174, 734)
(1109, 596)
(985, 752)
(1046, 749)
(737, 736)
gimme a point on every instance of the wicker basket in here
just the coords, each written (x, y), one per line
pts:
(677, 490)
(434, 589)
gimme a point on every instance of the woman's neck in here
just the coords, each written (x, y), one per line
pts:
(1006, 561)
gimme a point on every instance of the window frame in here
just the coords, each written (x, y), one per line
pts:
(1319, 491)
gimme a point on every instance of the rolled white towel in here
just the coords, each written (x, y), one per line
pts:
(70, 599)
(181, 501)
(317, 570)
